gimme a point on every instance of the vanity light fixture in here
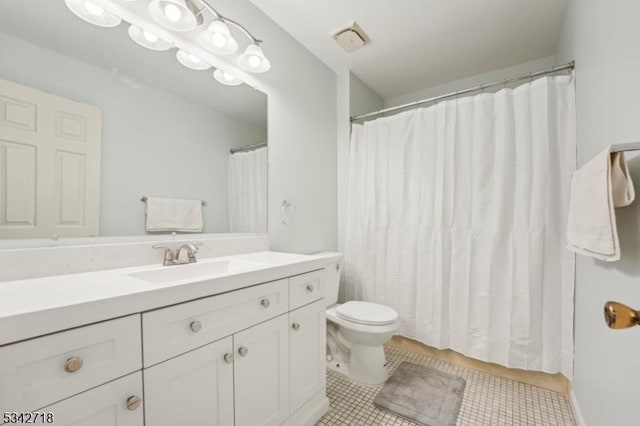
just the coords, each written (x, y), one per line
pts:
(184, 15)
(177, 15)
(148, 39)
(192, 61)
(92, 13)
(217, 38)
(253, 59)
(226, 78)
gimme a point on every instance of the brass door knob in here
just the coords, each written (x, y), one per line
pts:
(309, 288)
(195, 326)
(73, 364)
(133, 402)
(265, 302)
(618, 315)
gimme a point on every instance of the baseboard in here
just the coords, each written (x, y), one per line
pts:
(310, 412)
(576, 409)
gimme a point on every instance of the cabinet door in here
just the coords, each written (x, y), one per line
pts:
(261, 371)
(195, 388)
(117, 403)
(307, 352)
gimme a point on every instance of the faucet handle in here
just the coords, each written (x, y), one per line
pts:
(169, 256)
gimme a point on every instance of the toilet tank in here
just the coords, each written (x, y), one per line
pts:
(332, 283)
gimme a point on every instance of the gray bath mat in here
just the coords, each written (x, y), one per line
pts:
(422, 394)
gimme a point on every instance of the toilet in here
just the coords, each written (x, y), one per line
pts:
(357, 330)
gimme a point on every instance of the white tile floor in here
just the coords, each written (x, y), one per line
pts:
(488, 400)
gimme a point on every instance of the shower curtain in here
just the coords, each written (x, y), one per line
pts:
(248, 191)
(456, 218)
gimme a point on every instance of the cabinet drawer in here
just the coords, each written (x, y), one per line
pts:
(41, 371)
(112, 404)
(177, 329)
(306, 288)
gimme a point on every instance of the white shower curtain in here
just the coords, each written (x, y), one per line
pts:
(456, 218)
(248, 191)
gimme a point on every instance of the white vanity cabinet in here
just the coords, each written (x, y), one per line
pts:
(192, 389)
(253, 355)
(117, 403)
(307, 353)
(250, 357)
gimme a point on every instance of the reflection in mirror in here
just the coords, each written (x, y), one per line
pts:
(90, 123)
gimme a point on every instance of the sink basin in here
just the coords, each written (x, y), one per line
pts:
(195, 270)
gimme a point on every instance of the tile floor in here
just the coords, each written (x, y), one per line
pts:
(488, 400)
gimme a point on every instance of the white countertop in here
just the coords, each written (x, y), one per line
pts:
(34, 307)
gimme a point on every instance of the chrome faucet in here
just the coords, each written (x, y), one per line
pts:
(176, 258)
(191, 254)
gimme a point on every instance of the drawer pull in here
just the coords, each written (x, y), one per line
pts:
(228, 358)
(243, 351)
(133, 402)
(73, 364)
(309, 288)
(195, 326)
(295, 326)
(265, 302)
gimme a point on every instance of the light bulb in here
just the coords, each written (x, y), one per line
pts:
(254, 61)
(93, 9)
(226, 78)
(229, 77)
(218, 39)
(172, 12)
(151, 38)
(195, 59)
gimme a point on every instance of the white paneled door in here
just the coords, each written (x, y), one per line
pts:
(49, 164)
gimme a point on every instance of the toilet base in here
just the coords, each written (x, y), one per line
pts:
(367, 364)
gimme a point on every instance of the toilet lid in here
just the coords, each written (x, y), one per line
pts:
(367, 313)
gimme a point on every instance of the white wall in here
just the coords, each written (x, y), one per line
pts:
(153, 142)
(604, 38)
(302, 135)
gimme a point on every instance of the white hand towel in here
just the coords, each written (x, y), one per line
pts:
(171, 214)
(596, 189)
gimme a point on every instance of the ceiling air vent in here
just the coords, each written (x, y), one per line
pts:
(351, 38)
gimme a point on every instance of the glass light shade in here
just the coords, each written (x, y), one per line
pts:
(148, 39)
(192, 61)
(173, 14)
(226, 78)
(253, 59)
(92, 13)
(217, 38)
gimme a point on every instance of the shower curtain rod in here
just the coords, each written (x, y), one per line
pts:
(247, 148)
(506, 81)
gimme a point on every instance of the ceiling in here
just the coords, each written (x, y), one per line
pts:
(49, 24)
(421, 43)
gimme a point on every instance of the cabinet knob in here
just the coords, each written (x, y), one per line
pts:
(243, 351)
(228, 358)
(133, 402)
(73, 364)
(295, 326)
(265, 302)
(309, 288)
(195, 326)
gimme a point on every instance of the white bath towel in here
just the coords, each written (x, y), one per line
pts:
(596, 189)
(171, 214)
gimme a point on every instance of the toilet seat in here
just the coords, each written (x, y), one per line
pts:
(366, 313)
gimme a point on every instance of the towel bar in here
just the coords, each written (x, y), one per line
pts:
(144, 200)
(631, 146)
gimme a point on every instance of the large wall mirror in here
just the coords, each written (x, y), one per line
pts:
(165, 130)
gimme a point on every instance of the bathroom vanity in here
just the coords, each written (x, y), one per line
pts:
(237, 340)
